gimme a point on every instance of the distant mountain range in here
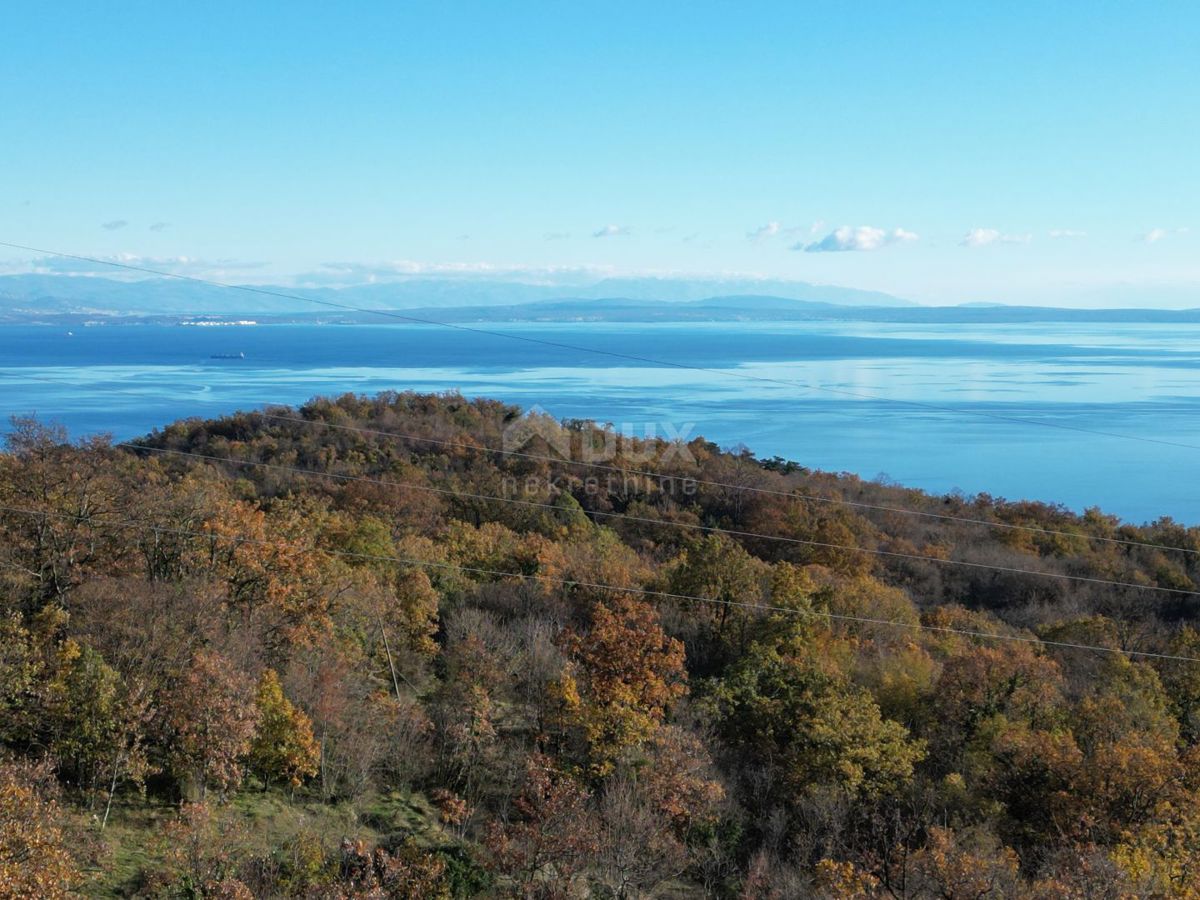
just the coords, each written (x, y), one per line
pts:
(36, 295)
(64, 299)
(756, 309)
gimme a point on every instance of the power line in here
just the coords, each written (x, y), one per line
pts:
(645, 592)
(418, 320)
(828, 545)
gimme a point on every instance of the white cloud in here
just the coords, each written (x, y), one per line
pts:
(120, 265)
(1059, 233)
(114, 225)
(611, 231)
(160, 226)
(762, 232)
(1154, 235)
(863, 237)
(981, 237)
(374, 273)
(778, 229)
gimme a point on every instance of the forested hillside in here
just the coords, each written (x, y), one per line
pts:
(352, 650)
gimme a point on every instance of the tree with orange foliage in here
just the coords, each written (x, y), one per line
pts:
(624, 675)
(211, 718)
(34, 859)
(272, 571)
(680, 777)
(75, 488)
(968, 864)
(1013, 681)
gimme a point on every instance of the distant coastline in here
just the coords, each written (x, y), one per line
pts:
(617, 310)
(72, 301)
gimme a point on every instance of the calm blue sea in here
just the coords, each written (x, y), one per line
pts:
(1135, 380)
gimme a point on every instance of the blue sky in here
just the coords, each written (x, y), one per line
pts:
(1018, 152)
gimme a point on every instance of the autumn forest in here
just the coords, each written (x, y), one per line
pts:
(360, 649)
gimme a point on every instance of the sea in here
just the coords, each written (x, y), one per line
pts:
(1084, 415)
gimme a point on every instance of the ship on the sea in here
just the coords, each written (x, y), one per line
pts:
(228, 356)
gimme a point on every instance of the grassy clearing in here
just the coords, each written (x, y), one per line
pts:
(133, 842)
